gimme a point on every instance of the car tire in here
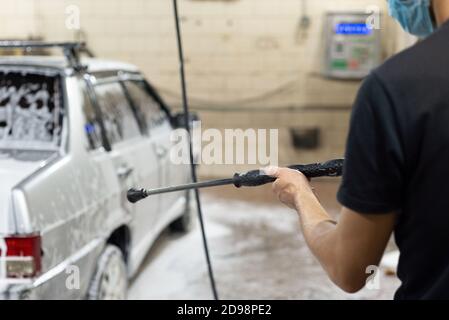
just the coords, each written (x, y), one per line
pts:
(184, 222)
(110, 280)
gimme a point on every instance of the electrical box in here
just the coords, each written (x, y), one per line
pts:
(353, 47)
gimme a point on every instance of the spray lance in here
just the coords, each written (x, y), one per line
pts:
(254, 178)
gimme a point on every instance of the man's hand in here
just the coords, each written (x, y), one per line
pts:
(289, 185)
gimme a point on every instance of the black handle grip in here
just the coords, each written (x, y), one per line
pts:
(331, 168)
(135, 195)
(252, 178)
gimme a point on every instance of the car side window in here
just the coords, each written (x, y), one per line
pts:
(153, 113)
(118, 118)
(92, 126)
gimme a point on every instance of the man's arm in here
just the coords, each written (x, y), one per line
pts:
(344, 249)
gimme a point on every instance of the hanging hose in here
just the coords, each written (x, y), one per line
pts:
(185, 106)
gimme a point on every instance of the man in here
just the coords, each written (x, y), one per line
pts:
(396, 174)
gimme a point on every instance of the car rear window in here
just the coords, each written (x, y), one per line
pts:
(31, 110)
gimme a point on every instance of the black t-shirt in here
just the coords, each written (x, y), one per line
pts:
(397, 159)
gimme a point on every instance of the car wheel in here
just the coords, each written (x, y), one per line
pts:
(110, 281)
(184, 222)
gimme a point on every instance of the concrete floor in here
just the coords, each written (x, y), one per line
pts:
(257, 252)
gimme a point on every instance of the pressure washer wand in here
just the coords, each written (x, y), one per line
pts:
(254, 178)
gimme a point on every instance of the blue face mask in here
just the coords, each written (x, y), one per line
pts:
(413, 15)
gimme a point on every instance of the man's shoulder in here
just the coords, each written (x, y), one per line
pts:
(401, 65)
(425, 59)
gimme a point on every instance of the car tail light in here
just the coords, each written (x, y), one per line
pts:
(23, 256)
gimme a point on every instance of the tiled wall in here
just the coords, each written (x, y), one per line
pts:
(17, 19)
(240, 54)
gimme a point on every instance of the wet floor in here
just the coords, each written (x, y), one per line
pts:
(257, 252)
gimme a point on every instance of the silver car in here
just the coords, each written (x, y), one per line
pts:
(73, 140)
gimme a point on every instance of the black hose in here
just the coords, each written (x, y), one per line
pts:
(192, 165)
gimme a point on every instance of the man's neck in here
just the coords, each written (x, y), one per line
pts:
(441, 10)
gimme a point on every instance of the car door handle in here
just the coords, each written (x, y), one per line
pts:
(160, 151)
(124, 171)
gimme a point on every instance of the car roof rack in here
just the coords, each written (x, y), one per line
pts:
(71, 50)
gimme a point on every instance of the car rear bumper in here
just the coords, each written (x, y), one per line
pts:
(67, 280)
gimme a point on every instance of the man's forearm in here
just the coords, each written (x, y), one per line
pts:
(344, 267)
(318, 229)
(312, 215)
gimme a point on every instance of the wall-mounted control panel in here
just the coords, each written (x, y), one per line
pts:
(353, 46)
